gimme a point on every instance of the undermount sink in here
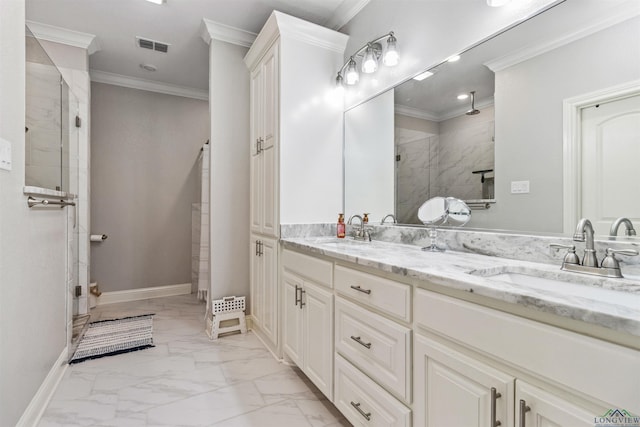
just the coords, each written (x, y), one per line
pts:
(541, 280)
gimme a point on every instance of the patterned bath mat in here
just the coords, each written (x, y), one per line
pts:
(110, 337)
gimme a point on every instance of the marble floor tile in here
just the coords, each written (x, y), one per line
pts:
(186, 380)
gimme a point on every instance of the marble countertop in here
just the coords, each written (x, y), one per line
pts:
(610, 303)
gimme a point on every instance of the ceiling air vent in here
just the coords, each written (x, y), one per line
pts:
(152, 45)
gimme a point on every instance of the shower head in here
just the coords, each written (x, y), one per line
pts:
(473, 111)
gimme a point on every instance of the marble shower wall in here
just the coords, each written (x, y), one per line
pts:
(437, 158)
(466, 144)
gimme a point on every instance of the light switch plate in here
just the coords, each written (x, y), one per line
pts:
(5, 154)
(519, 187)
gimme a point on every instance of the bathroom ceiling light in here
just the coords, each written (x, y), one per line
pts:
(454, 58)
(370, 53)
(156, 1)
(497, 3)
(420, 77)
(463, 96)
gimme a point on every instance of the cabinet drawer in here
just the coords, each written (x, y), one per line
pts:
(319, 271)
(386, 295)
(379, 347)
(365, 403)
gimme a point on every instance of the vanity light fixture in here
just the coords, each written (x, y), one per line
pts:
(370, 53)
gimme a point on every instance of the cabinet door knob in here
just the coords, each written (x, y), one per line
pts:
(359, 289)
(362, 343)
(523, 410)
(366, 415)
(494, 396)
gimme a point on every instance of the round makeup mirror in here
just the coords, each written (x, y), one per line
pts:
(458, 213)
(433, 211)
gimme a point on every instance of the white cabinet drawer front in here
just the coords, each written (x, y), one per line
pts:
(609, 373)
(363, 402)
(319, 271)
(379, 347)
(386, 295)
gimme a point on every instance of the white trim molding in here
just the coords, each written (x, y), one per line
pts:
(283, 25)
(144, 293)
(148, 85)
(416, 113)
(347, 10)
(31, 416)
(572, 146)
(626, 11)
(211, 30)
(64, 36)
(426, 115)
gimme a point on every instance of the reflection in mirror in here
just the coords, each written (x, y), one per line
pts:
(442, 211)
(50, 120)
(515, 150)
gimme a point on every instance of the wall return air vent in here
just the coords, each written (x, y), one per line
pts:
(152, 44)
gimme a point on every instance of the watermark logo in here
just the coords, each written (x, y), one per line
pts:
(617, 418)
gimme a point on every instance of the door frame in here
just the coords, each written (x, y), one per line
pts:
(572, 146)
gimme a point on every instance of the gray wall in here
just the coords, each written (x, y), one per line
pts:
(144, 178)
(528, 101)
(229, 95)
(32, 246)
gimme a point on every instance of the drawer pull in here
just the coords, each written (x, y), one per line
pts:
(359, 289)
(298, 288)
(494, 396)
(523, 410)
(367, 416)
(359, 341)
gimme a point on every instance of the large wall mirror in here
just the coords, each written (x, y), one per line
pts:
(509, 126)
(51, 109)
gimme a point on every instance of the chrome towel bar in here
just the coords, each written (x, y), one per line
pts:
(31, 202)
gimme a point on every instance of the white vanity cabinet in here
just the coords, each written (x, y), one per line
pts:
(264, 146)
(462, 351)
(307, 317)
(264, 285)
(288, 64)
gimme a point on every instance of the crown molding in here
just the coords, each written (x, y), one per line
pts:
(425, 115)
(628, 10)
(345, 13)
(148, 85)
(64, 36)
(283, 25)
(211, 30)
(416, 113)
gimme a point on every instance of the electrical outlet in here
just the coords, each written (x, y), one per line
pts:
(519, 187)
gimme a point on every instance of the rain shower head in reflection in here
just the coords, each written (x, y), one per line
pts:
(473, 111)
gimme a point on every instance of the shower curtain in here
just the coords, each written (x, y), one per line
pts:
(203, 257)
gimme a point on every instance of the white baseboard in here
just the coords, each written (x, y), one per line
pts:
(144, 293)
(31, 416)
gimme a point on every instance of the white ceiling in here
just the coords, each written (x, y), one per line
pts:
(116, 23)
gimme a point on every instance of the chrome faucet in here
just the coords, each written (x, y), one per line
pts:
(392, 216)
(610, 266)
(629, 231)
(362, 233)
(584, 230)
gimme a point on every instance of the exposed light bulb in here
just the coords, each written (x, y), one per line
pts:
(352, 75)
(463, 96)
(391, 56)
(369, 63)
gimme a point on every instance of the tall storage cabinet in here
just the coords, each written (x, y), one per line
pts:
(295, 146)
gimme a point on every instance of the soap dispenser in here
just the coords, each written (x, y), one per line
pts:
(341, 227)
